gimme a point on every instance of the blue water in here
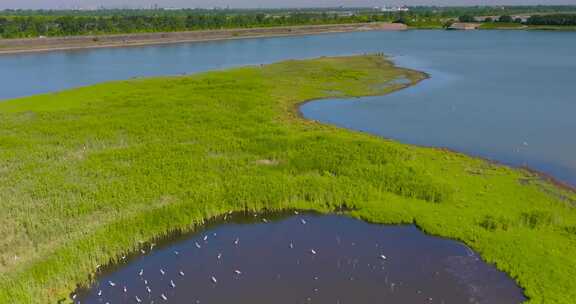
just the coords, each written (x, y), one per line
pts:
(507, 96)
(304, 259)
(504, 95)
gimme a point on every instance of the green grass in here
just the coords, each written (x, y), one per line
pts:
(518, 26)
(91, 173)
(501, 25)
(552, 27)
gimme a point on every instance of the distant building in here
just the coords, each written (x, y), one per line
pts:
(522, 18)
(341, 13)
(464, 26)
(395, 9)
(486, 18)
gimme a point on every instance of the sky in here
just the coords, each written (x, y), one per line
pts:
(6, 4)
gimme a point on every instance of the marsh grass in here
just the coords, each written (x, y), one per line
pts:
(89, 174)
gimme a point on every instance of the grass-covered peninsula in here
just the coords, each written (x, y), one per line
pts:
(91, 173)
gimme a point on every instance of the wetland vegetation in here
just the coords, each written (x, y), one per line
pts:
(92, 173)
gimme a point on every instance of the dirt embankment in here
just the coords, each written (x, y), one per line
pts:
(10, 46)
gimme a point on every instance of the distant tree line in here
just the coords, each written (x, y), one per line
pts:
(35, 23)
(556, 19)
(423, 11)
(547, 19)
(35, 26)
(496, 10)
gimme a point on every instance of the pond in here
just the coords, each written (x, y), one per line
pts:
(303, 258)
(503, 95)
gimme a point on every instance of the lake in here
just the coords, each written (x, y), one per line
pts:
(302, 258)
(503, 95)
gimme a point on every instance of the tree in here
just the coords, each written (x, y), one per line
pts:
(555, 20)
(466, 18)
(505, 19)
(401, 20)
(447, 24)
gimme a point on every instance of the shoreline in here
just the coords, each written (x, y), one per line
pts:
(544, 176)
(86, 42)
(438, 181)
(165, 38)
(40, 45)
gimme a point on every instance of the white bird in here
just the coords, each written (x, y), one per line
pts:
(205, 238)
(145, 282)
(164, 297)
(303, 221)
(296, 212)
(141, 272)
(111, 283)
(125, 289)
(148, 289)
(138, 299)
(73, 296)
(181, 273)
(162, 271)
(265, 220)
(291, 246)
(99, 293)
(236, 241)
(172, 284)
(176, 252)
(219, 256)
(313, 251)
(383, 257)
(238, 272)
(213, 279)
(197, 245)
(142, 251)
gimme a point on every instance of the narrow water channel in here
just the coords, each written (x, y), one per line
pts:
(303, 258)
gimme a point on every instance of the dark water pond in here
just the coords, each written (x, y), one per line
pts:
(504, 95)
(304, 258)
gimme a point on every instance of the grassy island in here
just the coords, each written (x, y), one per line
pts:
(91, 173)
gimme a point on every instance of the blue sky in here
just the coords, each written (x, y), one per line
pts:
(257, 3)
